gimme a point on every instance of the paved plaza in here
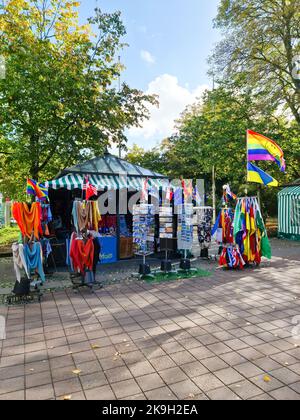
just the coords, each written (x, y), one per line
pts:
(233, 336)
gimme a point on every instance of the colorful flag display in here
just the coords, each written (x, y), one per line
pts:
(197, 197)
(263, 148)
(255, 174)
(90, 190)
(145, 191)
(37, 189)
(178, 196)
(228, 194)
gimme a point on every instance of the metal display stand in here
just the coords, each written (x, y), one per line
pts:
(185, 234)
(143, 235)
(166, 235)
(204, 249)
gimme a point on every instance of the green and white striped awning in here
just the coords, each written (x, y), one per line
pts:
(101, 182)
(292, 190)
(289, 212)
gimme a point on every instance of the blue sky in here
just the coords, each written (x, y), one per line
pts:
(169, 43)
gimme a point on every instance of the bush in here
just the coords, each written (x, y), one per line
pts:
(8, 235)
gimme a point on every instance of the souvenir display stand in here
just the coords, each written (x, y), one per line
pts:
(143, 234)
(204, 225)
(30, 254)
(84, 246)
(242, 235)
(166, 236)
(185, 233)
(250, 234)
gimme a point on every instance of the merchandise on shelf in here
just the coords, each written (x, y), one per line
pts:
(204, 221)
(185, 226)
(143, 229)
(166, 223)
(108, 226)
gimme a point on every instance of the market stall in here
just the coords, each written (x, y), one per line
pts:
(110, 175)
(289, 212)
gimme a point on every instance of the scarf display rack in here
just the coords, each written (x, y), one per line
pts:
(84, 255)
(242, 235)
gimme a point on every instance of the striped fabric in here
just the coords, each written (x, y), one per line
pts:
(289, 212)
(75, 181)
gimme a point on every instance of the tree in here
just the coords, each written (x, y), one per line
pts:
(212, 132)
(58, 101)
(261, 49)
(150, 159)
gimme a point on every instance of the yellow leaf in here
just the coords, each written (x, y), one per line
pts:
(76, 371)
(95, 346)
(67, 397)
(267, 379)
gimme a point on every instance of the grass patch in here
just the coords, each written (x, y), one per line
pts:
(184, 275)
(8, 235)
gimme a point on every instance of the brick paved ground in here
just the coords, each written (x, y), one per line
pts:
(225, 337)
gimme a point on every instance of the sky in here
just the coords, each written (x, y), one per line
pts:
(169, 44)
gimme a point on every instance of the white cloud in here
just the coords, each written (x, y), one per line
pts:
(173, 99)
(148, 57)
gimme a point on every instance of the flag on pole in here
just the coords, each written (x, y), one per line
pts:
(187, 189)
(262, 148)
(228, 194)
(178, 197)
(154, 192)
(255, 174)
(37, 189)
(144, 195)
(169, 193)
(196, 196)
(90, 190)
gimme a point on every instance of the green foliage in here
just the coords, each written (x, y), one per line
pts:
(153, 159)
(8, 235)
(212, 132)
(261, 49)
(59, 101)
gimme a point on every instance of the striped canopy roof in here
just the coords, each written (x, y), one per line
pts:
(75, 181)
(108, 172)
(292, 190)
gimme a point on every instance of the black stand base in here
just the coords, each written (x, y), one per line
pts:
(185, 264)
(166, 266)
(204, 253)
(144, 270)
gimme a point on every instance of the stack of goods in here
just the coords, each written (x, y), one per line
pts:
(185, 226)
(250, 232)
(143, 229)
(204, 221)
(108, 226)
(86, 215)
(84, 255)
(166, 222)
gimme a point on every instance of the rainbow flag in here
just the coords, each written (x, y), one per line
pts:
(39, 190)
(262, 148)
(260, 177)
